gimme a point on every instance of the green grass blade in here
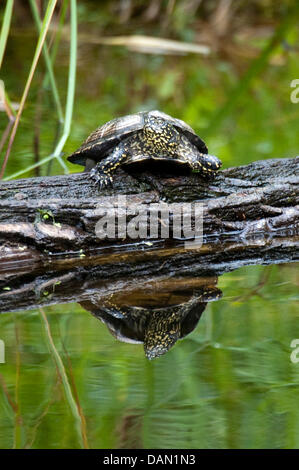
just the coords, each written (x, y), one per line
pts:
(69, 100)
(60, 366)
(41, 39)
(71, 84)
(54, 48)
(29, 168)
(47, 61)
(5, 28)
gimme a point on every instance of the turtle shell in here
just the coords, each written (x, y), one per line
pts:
(105, 138)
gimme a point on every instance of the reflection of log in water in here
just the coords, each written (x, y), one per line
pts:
(26, 284)
(156, 312)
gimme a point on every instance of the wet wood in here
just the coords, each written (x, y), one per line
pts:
(50, 253)
(60, 213)
(31, 283)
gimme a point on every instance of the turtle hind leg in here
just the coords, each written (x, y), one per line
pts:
(103, 171)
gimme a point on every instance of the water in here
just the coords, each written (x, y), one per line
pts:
(231, 382)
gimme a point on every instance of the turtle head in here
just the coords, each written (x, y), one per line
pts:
(161, 333)
(160, 134)
(206, 164)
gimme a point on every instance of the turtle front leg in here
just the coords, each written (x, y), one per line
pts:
(102, 172)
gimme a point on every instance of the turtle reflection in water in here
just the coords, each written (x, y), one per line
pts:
(157, 328)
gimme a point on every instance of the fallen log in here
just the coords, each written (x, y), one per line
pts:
(48, 241)
(60, 213)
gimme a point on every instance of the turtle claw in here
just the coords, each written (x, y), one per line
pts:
(103, 180)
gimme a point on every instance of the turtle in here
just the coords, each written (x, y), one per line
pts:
(158, 328)
(147, 135)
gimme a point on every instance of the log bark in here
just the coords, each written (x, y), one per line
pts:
(60, 212)
(48, 237)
